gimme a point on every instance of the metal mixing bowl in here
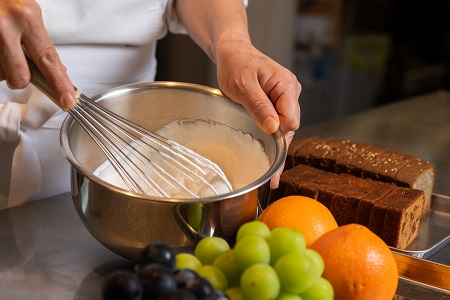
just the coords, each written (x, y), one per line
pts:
(126, 222)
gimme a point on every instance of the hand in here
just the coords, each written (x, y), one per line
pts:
(22, 26)
(267, 90)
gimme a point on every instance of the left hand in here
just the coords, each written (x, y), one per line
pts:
(267, 90)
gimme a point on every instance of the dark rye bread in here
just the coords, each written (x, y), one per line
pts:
(354, 197)
(365, 161)
(398, 212)
(356, 200)
(293, 158)
(312, 189)
(368, 201)
(339, 184)
(292, 180)
(340, 199)
(402, 212)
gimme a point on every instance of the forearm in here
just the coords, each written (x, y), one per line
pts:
(214, 23)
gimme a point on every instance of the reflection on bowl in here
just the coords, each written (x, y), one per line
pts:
(126, 222)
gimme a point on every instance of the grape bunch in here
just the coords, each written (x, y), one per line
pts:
(263, 264)
(156, 276)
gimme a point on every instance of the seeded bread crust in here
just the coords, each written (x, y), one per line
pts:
(365, 161)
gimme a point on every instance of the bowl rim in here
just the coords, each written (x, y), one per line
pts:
(278, 162)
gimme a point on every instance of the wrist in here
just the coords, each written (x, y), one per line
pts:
(229, 41)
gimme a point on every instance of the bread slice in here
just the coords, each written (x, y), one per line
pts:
(402, 218)
(293, 158)
(327, 152)
(327, 192)
(368, 201)
(293, 179)
(312, 189)
(364, 155)
(418, 174)
(354, 198)
(340, 201)
(395, 217)
(367, 161)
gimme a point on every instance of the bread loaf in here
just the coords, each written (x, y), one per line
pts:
(364, 161)
(392, 212)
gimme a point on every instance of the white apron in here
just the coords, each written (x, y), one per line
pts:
(103, 44)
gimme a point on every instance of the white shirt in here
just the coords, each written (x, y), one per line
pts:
(103, 44)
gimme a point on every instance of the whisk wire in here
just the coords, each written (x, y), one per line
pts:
(104, 126)
(102, 134)
(94, 133)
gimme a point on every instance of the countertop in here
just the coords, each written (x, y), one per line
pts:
(46, 252)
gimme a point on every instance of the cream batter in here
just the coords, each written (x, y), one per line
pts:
(240, 156)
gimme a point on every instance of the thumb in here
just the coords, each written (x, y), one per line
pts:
(263, 112)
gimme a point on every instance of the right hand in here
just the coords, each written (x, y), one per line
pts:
(22, 25)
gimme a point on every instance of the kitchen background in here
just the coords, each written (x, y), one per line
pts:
(349, 55)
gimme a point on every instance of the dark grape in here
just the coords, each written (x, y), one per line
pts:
(156, 253)
(156, 280)
(201, 288)
(122, 284)
(182, 276)
(178, 295)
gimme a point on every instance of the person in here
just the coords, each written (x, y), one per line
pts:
(100, 44)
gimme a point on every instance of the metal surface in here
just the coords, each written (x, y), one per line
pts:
(413, 290)
(47, 253)
(422, 271)
(126, 222)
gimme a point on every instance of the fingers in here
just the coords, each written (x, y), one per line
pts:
(14, 67)
(262, 111)
(244, 88)
(21, 25)
(274, 182)
(49, 63)
(283, 90)
(43, 53)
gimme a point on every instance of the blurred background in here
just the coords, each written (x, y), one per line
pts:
(349, 55)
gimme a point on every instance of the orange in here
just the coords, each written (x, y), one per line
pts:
(358, 263)
(305, 214)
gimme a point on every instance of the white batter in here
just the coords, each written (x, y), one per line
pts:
(241, 158)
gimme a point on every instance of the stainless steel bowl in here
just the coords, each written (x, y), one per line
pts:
(126, 222)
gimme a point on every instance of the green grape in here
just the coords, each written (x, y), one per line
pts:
(215, 276)
(225, 262)
(209, 247)
(284, 240)
(187, 261)
(297, 272)
(320, 290)
(253, 228)
(194, 213)
(318, 260)
(260, 281)
(250, 250)
(235, 293)
(288, 296)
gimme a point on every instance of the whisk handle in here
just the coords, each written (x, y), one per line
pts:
(38, 80)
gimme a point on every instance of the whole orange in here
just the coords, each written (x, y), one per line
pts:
(305, 214)
(358, 263)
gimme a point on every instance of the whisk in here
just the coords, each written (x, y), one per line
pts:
(147, 162)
